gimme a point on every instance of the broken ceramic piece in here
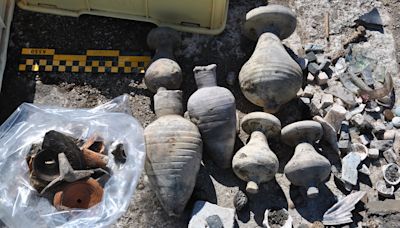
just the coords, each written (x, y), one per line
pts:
(269, 219)
(349, 168)
(371, 19)
(67, 173)
(391, 174)
(307, 167)
(360, 149)
(164, 71)
(270, 70)
(45, 162)
(93, 153)
(174, 152)
(82, 194)
(383, 189)
(213, 110)
(255, 163)
(340, 213)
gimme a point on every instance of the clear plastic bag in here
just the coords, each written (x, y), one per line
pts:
(22, 206)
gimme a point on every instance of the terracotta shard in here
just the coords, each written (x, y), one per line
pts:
(82, 194)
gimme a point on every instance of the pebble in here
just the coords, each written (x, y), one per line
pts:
(386, 207)
(397, 111)
(389, 134)
(390, 156)
(311, 57)
(373, 153)
(310, 78)
(335, 116)
(322, 78)
(316, 48)
(324, 65)
(309, 91)
(313, 68)
(326, 100)
(388, 114)
(364, 140)
(365, 170)
(203, 210)
(383, 189)
(214, 221)
(305, 100)
(381, 145)
(396, 122)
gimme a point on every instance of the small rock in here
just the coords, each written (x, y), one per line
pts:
(324, 65)
(311, 57)
(326, 100)
(309, 91)
(373, 153)
(316, 48)
(355, 135)
(240, 200)
(203, 210)
(360, 149)
(386, 207)
(349, 168)
(214, 221)
(397, 111)
(381, 145)
(340, 66)
(305, 100)
(390, 156)
(365, 170)
(322, 78)
(383, 189)
(313, 68)
(310, 78)
(344, 146)
(364, 140)
(303, 62)
(337, 90)
(389, 134)
(357, 120)
(396, 122)
(335, 116)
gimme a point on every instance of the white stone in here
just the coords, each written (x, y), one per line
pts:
(396, 122)
(326, 100)
(202, 210)
(322, 78)
(335, 116)
(373, 153)
(310, 78)
(309, 91)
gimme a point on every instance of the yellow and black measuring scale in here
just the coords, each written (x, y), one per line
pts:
(94, 61)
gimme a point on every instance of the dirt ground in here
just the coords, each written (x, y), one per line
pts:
(228, 50)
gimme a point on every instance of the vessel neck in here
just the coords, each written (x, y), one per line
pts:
(205, 76)
(168, 102)
(257, 136)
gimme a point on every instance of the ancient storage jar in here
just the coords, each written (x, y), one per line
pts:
(174, 152)
(307, 167)
(163, 71)
(213, 110)
(255, 163)
(270, 78)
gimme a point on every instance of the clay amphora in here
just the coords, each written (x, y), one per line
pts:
(213, 110)
(270, 78)
(174, 152)
(255, 162)
(164, 71)
(307, 167)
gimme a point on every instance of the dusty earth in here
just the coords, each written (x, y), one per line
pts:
(228, 50)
